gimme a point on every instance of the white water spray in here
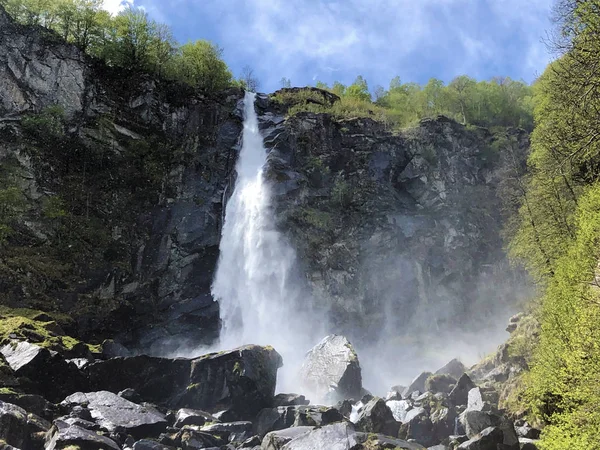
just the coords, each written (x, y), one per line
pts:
(255, 283)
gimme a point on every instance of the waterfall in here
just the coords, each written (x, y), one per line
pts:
(255, 282)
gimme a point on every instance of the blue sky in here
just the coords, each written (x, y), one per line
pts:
(328, 40)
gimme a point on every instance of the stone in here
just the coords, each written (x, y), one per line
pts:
(272, 419)
(190, 438)
(275, 440)
(147, 444)
(41, 371)
(527, 431)
(443, 421)
(63, 435)
(114, 413)
(475, 422)
(14, 427)
(331, 369)
(131, 395)
(460, 393)
(241, 380)
(418, 426)
(489, 439)
(376, 417)
(418, 384)
(399, 408)
(234, 432)
(440, 383)
(454, 368)
(186, 416)
(338, 436)
(289, 400)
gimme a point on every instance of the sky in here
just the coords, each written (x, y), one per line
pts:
(336, 40)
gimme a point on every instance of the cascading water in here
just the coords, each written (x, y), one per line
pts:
(255, 283)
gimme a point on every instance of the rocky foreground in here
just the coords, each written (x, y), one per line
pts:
(83, 399)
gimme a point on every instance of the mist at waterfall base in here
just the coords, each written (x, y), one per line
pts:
(264, 301)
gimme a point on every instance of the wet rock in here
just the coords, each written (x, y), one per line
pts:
(14, 427)
(241, 381)
(35, 404)
(376, 417)
(186, 416)
(344, 407)
(331, 368)
(440, 383)
(489, 439)
(63, 435)
(399, 408)
(418, 384)
(147, 444)
(275, 440)
(338, 436)
(234, 432)
(460, 393)
(115, 413)
(454, 368)
(443, 422)
(475, 422)
(41, 371)
(418, 426)
(295, 416)
(289, 400)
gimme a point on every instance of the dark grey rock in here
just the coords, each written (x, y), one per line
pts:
(489, 439)
(234, 432)
(443, 423)
(527, 431)
(64, 435)
(418, 384)
(273, 419)
(454, 368)
(275, 440)
(289, 400)
(186, 416)
(147, 444)
(443, 383)
(376, 417)
(14, 429)
(331, 369)
(418, 426)
(460, 394)
(114, 413)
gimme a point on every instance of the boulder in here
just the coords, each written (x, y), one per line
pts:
(376, 417)
(338, 436)
(273, 419)
(114, 413)
(186, 416)
(241, 381)
(475, 422)
(41, 371)
(33, 403)
(399, 408)
(62, 435)
(331, 369)
(275, 440)
(440, 383)
(147, 444)
(527, 431)
(489, 439)
(190, 438)
(482, 399)
(289, 400)
(234, 432)
(454, 368)
(418, 426)
(443, 422)
(418, 384)
(14, 427)
(459, 395)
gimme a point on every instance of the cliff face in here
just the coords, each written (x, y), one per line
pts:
(124, 179)
(399, 231)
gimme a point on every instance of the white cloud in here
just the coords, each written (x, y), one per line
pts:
(376, 38)
(116, 6)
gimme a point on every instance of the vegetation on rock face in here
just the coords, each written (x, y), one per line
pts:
(559, 235)
(499, 102)
(130, 40)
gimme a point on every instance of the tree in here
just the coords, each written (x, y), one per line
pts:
(199, 64)
(359, 89)
(285, 82)
(248, 79)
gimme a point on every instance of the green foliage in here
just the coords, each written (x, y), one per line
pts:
(199, 64)
(130, 40)
(48, 126)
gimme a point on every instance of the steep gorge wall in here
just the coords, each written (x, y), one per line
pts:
(124, 202)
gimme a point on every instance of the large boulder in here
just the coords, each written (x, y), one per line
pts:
(454, 368)
(66, 436)
(273, 419)
(186, 416)
(240, 380)
(399, 408)
(418, 426)
(275, 440)
(376, 417)
(41, 371)
(489, 439)
(114, 413)
(331, 370)
(460, 393)
(14, 429)
(418, 384)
